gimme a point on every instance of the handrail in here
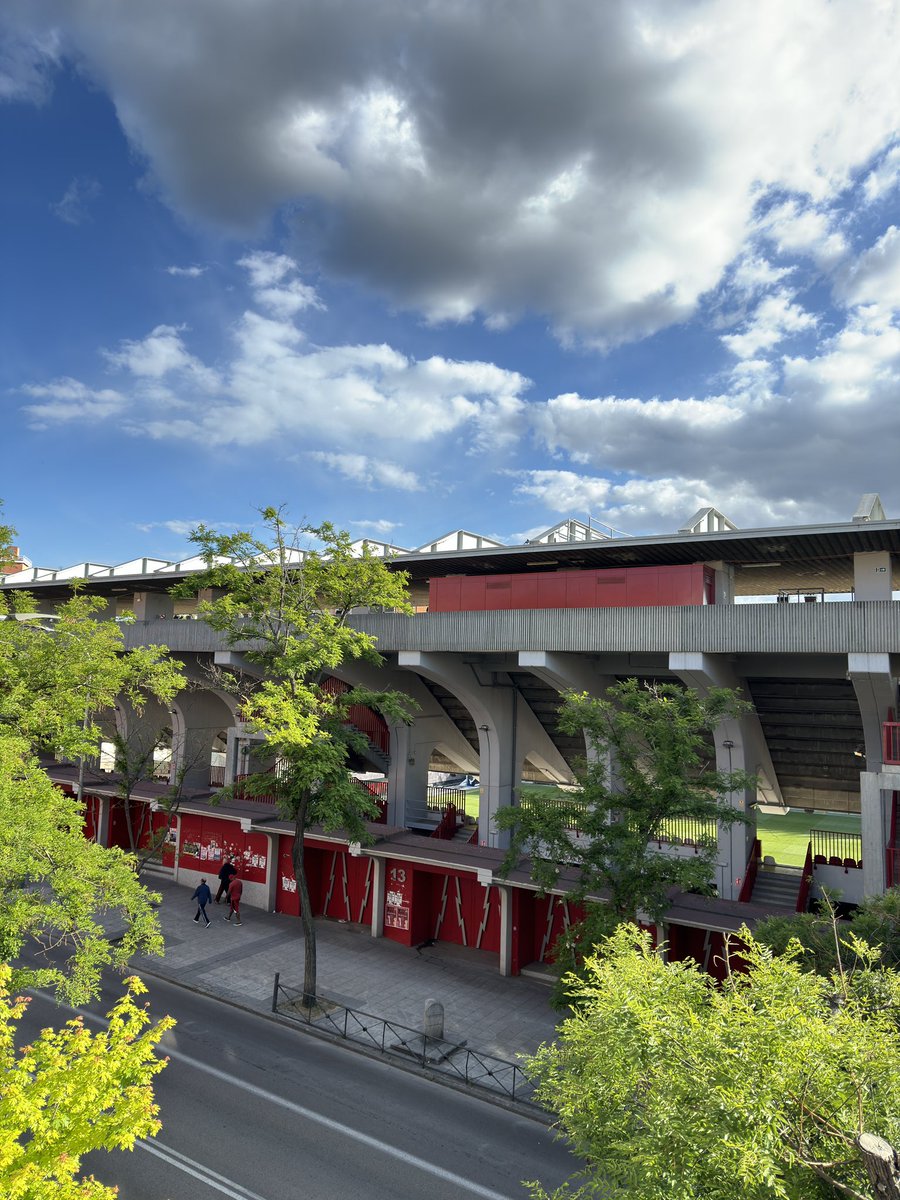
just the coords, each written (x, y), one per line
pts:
(753, 862)
(833, 844)
(364, 719)
(478, 1070)
(806, 880)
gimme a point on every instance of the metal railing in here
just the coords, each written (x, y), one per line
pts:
(572, 808)
(891, 737)
(746, 892)
(455, 1059)
(687, 831)
(438, 798)
(835, 848)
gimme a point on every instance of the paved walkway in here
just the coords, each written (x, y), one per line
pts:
(497, 1015)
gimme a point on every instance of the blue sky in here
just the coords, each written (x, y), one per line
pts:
(410, 268)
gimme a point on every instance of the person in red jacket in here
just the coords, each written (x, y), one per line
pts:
(235, 891)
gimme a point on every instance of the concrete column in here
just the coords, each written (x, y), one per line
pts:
(271, 896)
(872, 576)
(569, 673)
(493, 708)
(876, 693)
(875, 791)
(197, 718)
(408, 775)
(142, 731)
(378, 879)
(740, 746)
(724, 581)
(506, 930)
(101, 833)
(152, 606)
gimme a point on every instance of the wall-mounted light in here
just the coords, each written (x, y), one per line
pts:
(859, 752)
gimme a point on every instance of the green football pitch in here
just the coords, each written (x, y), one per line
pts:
(786, 838)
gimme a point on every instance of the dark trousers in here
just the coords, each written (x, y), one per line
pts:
(223, 889)
(201, 908)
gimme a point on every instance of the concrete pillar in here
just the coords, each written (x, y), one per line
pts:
(876, 693)
(872, 575)
(493, 707)
(724, 581)
(152, 606)
(378, 880)
(506, 930)
(101, 831)
(569, 673)
(271, 896)
(142, 730)
(198, 716)
(875, 810)
(740, 746)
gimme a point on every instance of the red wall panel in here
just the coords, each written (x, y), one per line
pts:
(207, 841)
(631, 587)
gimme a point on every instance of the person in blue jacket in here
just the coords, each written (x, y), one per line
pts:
(203, 896)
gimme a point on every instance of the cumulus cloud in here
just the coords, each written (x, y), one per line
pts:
(875, 276)
(276, 287)
(74, 206)
(274, 389)
(67, 399)
(884, 177)
(191, 272)
(160, 354)
(596, 163)
(27, 60)
(370, 472)
(776, 317)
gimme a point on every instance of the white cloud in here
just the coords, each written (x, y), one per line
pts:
(380, 526)
(883, 178)
(67, 399)
(370, 472)
(162, 353)
(186, 272)
(776, 317)
(181, 528)
(797, 228)
(875, 276)
(599, 163)
(274, 288)
(74, 206)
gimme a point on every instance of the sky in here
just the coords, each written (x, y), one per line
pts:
(415, 267)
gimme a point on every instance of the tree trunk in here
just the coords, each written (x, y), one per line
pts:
(306, 914)
(882, 1166)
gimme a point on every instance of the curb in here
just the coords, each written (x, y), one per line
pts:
(517, 1108)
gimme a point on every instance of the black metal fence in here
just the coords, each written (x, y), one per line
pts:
(457, 1060)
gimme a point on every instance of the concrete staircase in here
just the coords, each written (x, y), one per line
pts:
(777, 886)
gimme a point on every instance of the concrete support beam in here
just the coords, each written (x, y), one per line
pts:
(876, 790)
(876, 693)
(566, 672)
(740, 746)
(494, 710)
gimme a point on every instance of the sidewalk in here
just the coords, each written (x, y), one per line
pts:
(497, 1015)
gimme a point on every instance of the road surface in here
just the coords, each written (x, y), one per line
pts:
(254, 1111)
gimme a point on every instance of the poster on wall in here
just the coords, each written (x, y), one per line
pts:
(396, 913)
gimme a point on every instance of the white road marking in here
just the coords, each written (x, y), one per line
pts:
(205, 1174)
(410, 1160)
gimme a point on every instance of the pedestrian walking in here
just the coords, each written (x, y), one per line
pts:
(226, 871)
(203, 896)
(235, 891)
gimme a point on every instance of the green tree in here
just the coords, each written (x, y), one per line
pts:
(876, 922)
(648, 768)
(60, 671)
(286, 608)
(669, 1084)
(70, 1092)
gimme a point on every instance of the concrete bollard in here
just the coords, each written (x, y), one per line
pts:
(434, 1019)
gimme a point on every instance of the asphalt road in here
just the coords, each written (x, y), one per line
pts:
(254, 1111)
